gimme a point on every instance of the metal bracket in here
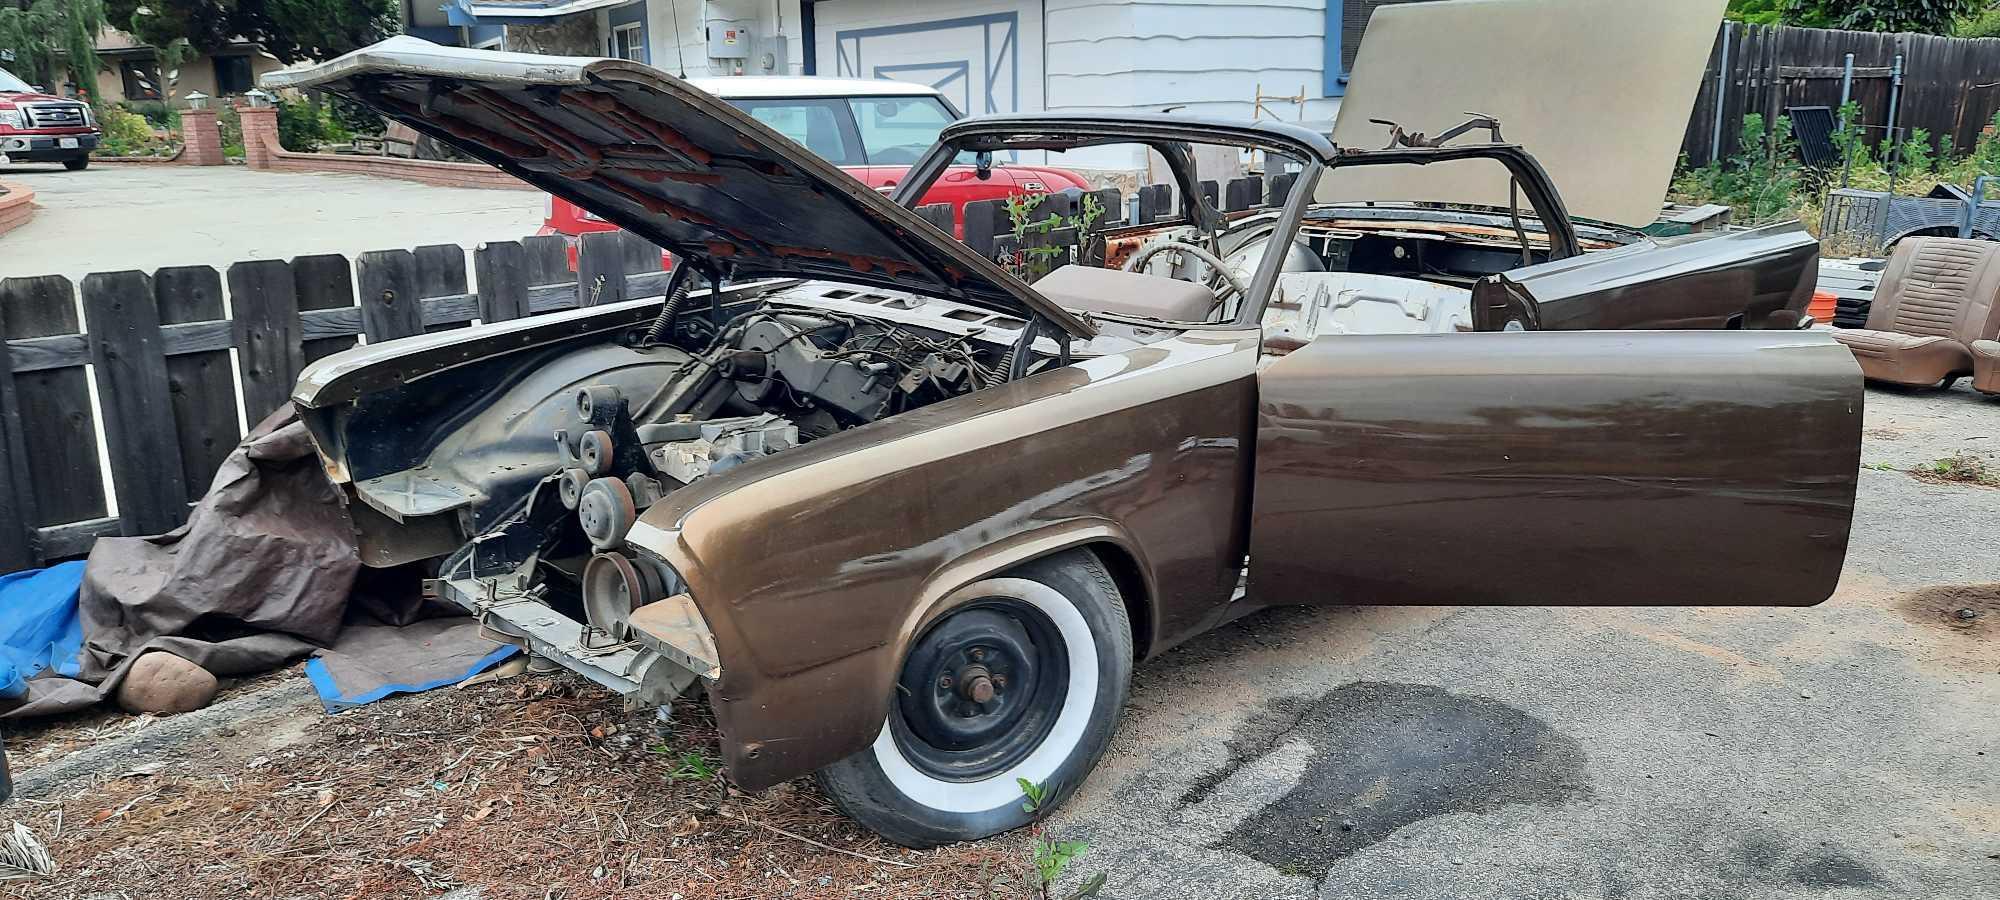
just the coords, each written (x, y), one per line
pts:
(1400, 138)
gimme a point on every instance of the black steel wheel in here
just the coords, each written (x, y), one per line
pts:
(1023, 678)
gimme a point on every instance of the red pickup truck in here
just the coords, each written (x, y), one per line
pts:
(874, 130)
(38, 127)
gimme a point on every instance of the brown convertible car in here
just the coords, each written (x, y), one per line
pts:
(910, 521)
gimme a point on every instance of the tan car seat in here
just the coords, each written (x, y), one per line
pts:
(1986, 366)
(1937, 296)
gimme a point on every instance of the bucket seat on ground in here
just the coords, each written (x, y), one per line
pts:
(1937, 297)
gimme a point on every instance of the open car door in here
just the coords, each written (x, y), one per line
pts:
(1556, 468)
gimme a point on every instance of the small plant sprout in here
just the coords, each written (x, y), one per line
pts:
(1052, 856)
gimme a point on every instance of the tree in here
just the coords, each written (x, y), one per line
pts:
(41, 40)
(1921, 16)
(291, 30)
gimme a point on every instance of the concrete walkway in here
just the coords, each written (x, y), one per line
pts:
(111, 217)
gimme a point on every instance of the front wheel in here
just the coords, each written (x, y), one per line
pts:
(1024, 679)
(77, 164)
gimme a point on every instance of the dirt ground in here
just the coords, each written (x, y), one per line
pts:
(1845, 750)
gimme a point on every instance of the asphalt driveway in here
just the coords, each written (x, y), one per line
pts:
(111, 217)
(1845, 750)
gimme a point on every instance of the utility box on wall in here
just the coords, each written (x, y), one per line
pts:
(730, 39)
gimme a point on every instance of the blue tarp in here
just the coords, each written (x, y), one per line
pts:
(39, 625)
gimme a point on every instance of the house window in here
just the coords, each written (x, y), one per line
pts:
(140, 81)
(232, 75)
(629, 42)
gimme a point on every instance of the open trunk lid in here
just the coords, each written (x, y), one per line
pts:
(1598, 90)
(671, 163)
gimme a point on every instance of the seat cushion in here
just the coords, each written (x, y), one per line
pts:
(1986, 366)
(1940, 287)
(1090, 289)
(1906, 358)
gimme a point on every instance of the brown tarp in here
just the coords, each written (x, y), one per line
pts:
(259, 576)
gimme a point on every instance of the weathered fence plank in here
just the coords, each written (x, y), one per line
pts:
(1243, 193)
(200, 384)
(58, 432)
(324, 282)
(132, 386)
(1111, 206)
(269, 340)
(640, 255)
(938, 214)
(17, 494)
(441, 273)
(548, 259)
(1156, 202)
(984, 220)
(502, 271)
(600, 268)
(388, 294)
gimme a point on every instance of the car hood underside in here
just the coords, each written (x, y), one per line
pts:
(667, 161)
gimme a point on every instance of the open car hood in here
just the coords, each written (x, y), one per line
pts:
(671, 163)
(1598, 90)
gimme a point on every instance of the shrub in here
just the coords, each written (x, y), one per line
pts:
(126, 133)
(303, 126)
(156, 112)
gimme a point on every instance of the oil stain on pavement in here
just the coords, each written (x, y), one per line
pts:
(1386, 755)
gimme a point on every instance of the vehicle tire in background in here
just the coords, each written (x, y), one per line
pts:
(1026, 678)
(78, 164)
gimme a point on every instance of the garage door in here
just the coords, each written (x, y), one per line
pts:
(985, 56)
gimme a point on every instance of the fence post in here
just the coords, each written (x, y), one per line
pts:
(17, 499)
(390, 308)
(126, 349)
(57, 428)
(1721, 94)
(600, 268)
(502, 270)
(1212, 192)
(1279, 188)
(269, 338)
(200, 384)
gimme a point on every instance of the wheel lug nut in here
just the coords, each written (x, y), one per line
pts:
(944, 681)
(978, 654)
(999, 681)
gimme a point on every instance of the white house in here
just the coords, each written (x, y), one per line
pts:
(1284, 59)
(1264, 59)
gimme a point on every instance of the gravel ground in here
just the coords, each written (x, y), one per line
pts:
(1846, 750)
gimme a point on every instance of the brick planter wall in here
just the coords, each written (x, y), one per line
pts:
(201, 139)
(17, 206)
(261, 150)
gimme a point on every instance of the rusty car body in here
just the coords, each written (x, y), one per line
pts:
(909, 521)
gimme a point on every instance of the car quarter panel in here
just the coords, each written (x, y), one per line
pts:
(816, 568)
(1759, 278)
(1552, 468)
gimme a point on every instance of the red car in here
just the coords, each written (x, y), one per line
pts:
(874, 130)
(38, 127)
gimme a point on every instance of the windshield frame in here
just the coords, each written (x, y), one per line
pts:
(7, 79)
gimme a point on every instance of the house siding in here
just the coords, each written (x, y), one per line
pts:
(1210, 58)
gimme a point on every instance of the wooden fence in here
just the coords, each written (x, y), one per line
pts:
(1951, 86)
(156, 352)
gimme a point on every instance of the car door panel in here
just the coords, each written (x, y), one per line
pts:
(1555, 468)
